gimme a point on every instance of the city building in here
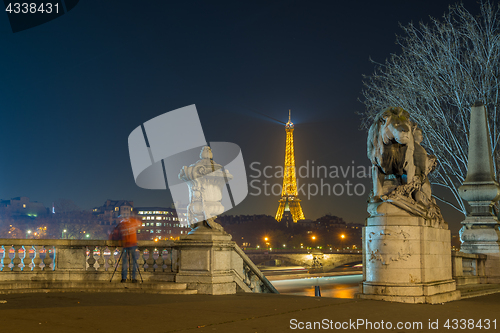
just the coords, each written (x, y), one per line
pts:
(113, 211)
(237, 219)
(160, 223)
(22, 207)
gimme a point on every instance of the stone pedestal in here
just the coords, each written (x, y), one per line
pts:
(480, 237)
(406, 258)
(483, 239)
(205, 262)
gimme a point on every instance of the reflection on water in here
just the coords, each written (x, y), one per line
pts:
(331, 286)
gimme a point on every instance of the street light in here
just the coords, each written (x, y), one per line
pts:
(342, 242)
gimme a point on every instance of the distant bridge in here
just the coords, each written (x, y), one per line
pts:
(327, 261)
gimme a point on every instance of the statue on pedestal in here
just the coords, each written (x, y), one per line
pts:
(205, 180)
(400, 165)
(406, 243)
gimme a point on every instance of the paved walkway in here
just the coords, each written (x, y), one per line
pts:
(137, 313)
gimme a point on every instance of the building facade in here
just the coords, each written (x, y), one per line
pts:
(113, 211)
(161, 223)
(22, 207)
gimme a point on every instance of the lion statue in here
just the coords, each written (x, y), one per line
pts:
(390, 138)
(400, 165)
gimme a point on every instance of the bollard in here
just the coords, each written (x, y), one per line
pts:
(317, 291)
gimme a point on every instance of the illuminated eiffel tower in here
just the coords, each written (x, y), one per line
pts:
(289, 202)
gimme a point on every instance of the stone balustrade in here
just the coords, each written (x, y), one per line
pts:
(88, 260)
(468, 268)
(96, 260)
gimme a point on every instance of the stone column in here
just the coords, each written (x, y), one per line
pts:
(480, 233)
(204, 258)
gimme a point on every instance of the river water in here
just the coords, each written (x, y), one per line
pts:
(343, 286)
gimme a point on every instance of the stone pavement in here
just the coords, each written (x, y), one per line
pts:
(152, 313)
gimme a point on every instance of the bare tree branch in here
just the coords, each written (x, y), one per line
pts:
(443, 68)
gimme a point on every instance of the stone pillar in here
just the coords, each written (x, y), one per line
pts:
(204, 257)
(406, 242)
(480, 233)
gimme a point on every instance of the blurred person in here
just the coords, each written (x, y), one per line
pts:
(128, 235)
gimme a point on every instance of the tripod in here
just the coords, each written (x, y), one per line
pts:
(129, 271)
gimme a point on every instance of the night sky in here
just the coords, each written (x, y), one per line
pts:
(74, 88)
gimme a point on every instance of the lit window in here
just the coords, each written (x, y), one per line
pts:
(148, 218)
(144, 217)
(158, 231)
(158, 217)
(24, 205)
(116, 209)
(158, 224)
(144, 224)
(181, 232)
(152, 230)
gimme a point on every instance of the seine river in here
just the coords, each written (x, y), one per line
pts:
(342, 286)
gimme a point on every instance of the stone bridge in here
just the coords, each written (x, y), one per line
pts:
(309, 260)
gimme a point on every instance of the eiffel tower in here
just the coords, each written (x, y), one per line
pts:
(289, 204)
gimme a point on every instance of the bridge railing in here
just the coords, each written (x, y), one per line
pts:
(252, 276)
(96, 260)
(87, 260)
